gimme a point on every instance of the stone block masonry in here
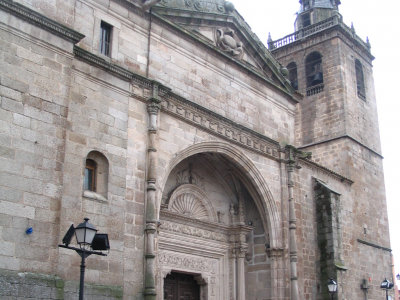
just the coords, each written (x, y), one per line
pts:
(23, 285)
(169, 118)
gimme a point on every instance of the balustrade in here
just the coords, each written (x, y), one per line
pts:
(316, 89)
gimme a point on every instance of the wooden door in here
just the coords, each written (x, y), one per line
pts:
(181, 287)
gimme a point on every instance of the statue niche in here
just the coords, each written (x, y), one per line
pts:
(227, 43)
(190, 201)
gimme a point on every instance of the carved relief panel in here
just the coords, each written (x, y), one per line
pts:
(190, 201)
(225, 39)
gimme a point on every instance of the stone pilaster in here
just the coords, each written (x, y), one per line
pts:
(291, 164)
(292, 155)
(153, 107)
(241, 288)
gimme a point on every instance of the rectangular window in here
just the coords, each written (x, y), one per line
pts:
(90, 174)
(105, 38)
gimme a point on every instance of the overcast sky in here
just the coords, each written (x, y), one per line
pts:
(376, 20)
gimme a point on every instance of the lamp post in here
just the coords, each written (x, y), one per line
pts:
(332, 287)
(87, 239)
(386, 285)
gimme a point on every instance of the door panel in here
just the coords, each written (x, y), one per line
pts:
(181, 287)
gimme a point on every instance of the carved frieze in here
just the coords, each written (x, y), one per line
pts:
(196, 5)
(225, 40)
(193, 231)
(188, 263)
(223, 127)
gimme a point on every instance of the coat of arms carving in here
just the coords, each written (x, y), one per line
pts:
(225, 38)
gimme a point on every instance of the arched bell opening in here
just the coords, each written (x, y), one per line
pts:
(215, 213)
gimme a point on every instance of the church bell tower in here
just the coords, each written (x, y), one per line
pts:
(314, 11)
(337, 120)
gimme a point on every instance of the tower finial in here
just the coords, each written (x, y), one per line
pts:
(368, 44)
(270, 42)
(353, 30)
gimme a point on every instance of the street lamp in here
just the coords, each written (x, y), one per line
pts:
(386, 285)
(398, 277)
(332, 287)
(87, 238)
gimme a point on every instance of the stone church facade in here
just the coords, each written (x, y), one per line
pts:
(218, 168)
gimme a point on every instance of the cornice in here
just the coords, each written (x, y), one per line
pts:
(374, 245)
(221, 126)
(342, 137)
(41, 21)
(333, 174)
(112, 68)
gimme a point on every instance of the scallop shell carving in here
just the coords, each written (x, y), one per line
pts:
(190, 206)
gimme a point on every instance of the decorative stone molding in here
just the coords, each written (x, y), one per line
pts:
(189, 263)
(193, 231)
(41, 21)
(191, 201)
(225, 40)
(221, 126)
(114, 69)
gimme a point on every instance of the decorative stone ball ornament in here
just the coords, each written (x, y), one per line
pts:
(284, 71)
(227, 43)
(229, 7)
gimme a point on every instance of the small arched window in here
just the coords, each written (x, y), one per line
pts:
(314, 72)
(360, 80)
(96, 176)
(292, 68)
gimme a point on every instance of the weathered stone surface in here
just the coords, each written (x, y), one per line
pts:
(217, 126)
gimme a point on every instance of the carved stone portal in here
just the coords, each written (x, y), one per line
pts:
(227, 43)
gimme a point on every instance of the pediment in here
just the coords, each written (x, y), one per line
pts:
(216, 24)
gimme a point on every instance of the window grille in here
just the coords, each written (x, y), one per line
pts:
(360, 80)
(105, 38)
(292, 68)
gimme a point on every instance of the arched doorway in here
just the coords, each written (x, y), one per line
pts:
(214, 223)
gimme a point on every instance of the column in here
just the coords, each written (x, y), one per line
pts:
(292, 226)
(233, 277)
(241, 288)
(153, 107)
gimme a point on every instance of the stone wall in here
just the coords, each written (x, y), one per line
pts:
(14, 286)
(57, 108)
(35, 86)
(355, 214)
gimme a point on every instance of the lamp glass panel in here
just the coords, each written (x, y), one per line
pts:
(80, 235)
(332, 286)
(89, 236)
